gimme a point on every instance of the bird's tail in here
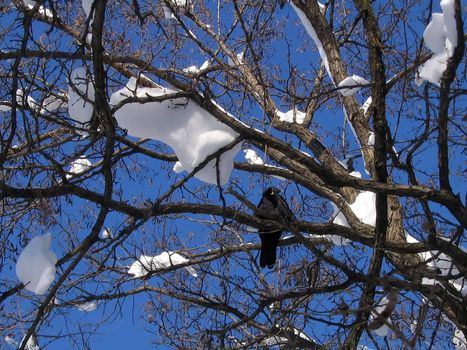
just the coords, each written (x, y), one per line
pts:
(269, 243)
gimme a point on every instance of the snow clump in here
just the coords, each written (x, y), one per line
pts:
(443, 264)
(292, 116)
(363, 207)
(87, 307)
(80, 109)
(30, 5)
(36, 265)
(312, 33)
(79, 166)
(252, 157)
(350, 85)
(192, 132)
(440, 36)
(146, 264)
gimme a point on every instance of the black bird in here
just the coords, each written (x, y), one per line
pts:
(273, 207)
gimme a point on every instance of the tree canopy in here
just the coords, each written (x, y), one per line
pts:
(137, 138)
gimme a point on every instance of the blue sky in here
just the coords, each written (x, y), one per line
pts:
(127, 330)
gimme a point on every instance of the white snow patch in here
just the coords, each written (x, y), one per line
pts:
(459, 340)
(49, 104)
(366, 105)
(277, 340)
(4, 107)
(191, 69)
(364, 209)
(363, 347)
(189, 130)
(449, 24)
(384, 329)
(105, 234)
(443, 264)
(312, 33)
(413, 326)
(89, 39)
(433, 69)
(302, 335)
(194, 69)
(141, 267)
(177, 4)
(180, 3)
(178, 167)
(204, 65)
(274, 340)
(87, 6)
(31, 344)
(30, 5)
(239, 58)
(252, 157)
(35, 267)
(20, 97)
(434, 35)
(79, 166)
(146, 264)
(52, 103)
(80, 109)
(352, 85)
(371, 138)
(29, 101)
(11, 341)
(440, 36)
(322, 7)
(167, 13)
(87, 307)
(292, 116)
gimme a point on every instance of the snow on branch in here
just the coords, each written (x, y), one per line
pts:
(443, 265)
(380, 316)
(176, 4)
(363, 207)
(87, 307)
(240, 58)
(292, 116)
(87, 7)
(147, 264)
(30, 4)
(459, 340)
(350, 85)
(192, 132)
(80, 96)
(195, 70)
(440, 36)
(252, 157)
(35, 267)
(79, 166)
(314, 36)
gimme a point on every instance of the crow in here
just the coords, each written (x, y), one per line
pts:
(273, 207)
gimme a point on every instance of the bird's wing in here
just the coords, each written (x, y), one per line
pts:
(284, 209)
(266, 207)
